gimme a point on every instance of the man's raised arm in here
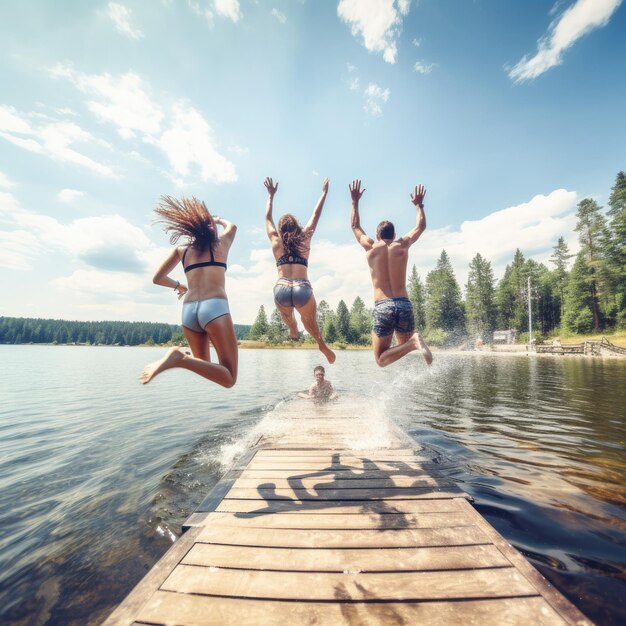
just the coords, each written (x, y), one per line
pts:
(359, 233)
(417, 199)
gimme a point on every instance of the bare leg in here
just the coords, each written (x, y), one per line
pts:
(222, 334)
(308, 313)
(385, 355)
(286, 312)
(198, 343)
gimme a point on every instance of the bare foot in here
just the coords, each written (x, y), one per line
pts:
(329, 354)
(424, 349)
(171, 359)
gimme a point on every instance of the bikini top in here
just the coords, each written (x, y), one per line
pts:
(193, 266)
(291, 259)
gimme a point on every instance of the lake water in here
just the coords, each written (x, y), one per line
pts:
(97, 473)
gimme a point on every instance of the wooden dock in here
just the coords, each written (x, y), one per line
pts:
(311, 528)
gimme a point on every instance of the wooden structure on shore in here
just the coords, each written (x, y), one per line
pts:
(592, 348)
(309, 527)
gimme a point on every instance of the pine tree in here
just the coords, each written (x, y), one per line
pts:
(617, 245)
(343, 322)
(512, 312)
(480, 308)
(360, 322)
(560, 258)
(593, 238)
(323, 310)
(444, 308)
(277, 331)
(578, 314)
(329, 333)
(417, 298)
(260, 327)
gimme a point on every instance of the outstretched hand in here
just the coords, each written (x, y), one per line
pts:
(270, 186)
(355, 190)
(325, 184)
(418, 197)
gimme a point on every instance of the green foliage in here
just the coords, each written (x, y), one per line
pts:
(577, 311)
(260, 327)
(343, 322)
(417, 297)
(360, 323)
(277, 331)
(435, 336)
(330, 332)
(480, 307)
(560, 258)
(444, 308)
(28, 330)
(594, 242)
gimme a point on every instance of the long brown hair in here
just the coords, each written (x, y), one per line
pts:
(188, 217)
(291, 234)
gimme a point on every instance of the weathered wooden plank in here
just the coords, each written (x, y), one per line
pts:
(341, 560)
(323, 507)
(329, 521)
(383, 453)
(322, 538)
(192, 610)
(303, 586)
(269, 475)
(402, 493)
(329, 481)
(565, 608)
(407, 462)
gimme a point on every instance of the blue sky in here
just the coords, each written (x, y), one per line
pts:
(509, 112)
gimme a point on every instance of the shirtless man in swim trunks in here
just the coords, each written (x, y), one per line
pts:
(387, 258)
(321, 390)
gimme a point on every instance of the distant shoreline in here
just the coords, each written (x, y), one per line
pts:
(247, 344)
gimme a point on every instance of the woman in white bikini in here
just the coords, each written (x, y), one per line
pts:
(206, 316)
(291, 245)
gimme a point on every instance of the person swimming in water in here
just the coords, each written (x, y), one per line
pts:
(387, 258)
(291, 245)
(206, 316)
(321, 390)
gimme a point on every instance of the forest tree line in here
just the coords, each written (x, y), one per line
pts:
(589, 297)
(34, 330)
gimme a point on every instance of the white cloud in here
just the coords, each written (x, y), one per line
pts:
(120, 15)
(178, 130)
(281, 17)
(228, 8)
(423, 68)
(54, 139)
(534, 227)
(378, 22)
(353, 84)
(123, 101)
(107, 241)
(579, 19)
(189, 141)
(417, 42)
(375, 96)
(69, 195)
(5, 181)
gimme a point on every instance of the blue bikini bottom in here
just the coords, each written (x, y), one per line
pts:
(197, 314)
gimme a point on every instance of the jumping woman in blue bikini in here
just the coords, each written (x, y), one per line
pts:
(291, 245)
(206, 316)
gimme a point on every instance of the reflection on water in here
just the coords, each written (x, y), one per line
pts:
(98, 473)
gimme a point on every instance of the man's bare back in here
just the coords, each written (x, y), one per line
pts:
(388, 262)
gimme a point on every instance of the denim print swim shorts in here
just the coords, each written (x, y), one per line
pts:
(393, 314)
